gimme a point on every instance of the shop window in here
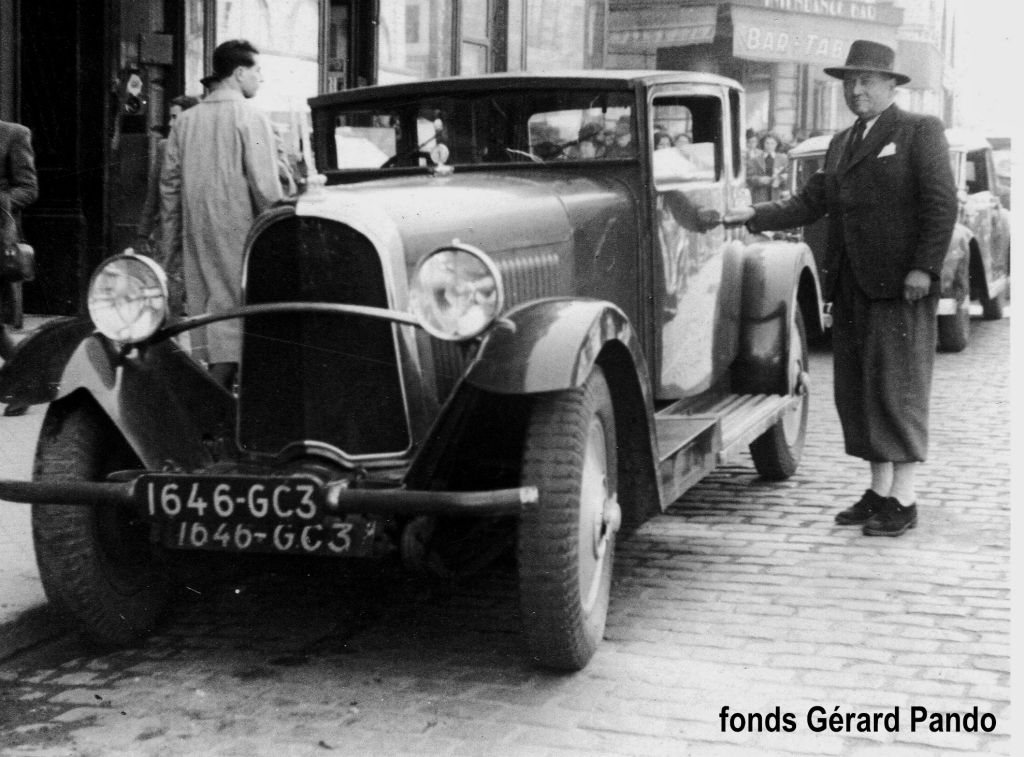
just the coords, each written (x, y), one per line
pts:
(758, 104)
(556, 35)
(195, 52)
(286, 32)
(414, 40)
(830, 111)
(475, 31)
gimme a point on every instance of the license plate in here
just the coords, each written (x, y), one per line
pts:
(251, 514)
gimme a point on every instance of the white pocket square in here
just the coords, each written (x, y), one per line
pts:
(889, 149)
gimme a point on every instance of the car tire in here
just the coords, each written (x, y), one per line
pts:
(777, 452)
(96, 562)
(955, 330)
(566, 540)
(992, 308)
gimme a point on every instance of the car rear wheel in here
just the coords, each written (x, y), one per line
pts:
(566, 540)
(777, 452)
(96, 562)
(955, 329)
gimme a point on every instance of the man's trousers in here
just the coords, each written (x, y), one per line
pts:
(883, 354)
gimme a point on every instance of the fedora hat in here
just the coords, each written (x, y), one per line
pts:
(869, 56)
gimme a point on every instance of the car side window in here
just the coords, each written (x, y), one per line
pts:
(694, 124)
(977, 172)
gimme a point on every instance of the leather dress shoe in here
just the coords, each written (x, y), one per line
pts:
(861, 510)
(891, 519)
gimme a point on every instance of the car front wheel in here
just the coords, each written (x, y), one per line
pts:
(566, 540)
(96, 562)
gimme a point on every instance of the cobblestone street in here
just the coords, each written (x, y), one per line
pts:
(743, 595)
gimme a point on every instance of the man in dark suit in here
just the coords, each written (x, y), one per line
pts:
(888, 190)
(18, 188)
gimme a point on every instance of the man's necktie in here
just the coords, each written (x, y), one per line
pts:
(856, 138)
(769, 164)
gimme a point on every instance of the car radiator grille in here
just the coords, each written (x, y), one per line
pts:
(318, 377)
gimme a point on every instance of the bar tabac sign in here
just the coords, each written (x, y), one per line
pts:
(775, 33)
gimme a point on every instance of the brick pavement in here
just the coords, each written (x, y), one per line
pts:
(743, 594)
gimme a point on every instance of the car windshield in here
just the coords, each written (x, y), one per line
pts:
(485, 127)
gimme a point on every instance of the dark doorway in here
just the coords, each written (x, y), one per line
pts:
(62, 89)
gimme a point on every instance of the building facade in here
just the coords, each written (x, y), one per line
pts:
(778, 49)
(93, 82)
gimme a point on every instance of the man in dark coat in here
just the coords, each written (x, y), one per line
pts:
(888, 190)
(18, 188)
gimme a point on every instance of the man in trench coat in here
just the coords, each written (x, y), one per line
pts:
(19, 187)
(888, 190)
(219, 173)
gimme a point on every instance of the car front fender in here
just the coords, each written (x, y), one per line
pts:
(166, 406)
(546, 346)
(550, 345)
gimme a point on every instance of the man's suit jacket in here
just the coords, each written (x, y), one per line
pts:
(891, 205)
(18, 184)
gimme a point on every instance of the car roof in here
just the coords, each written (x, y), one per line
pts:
(621, 79)
(812, 146)
(966, 140)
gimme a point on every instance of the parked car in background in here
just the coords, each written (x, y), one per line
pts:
(977, 266)
(1003, 159)
(480, 333)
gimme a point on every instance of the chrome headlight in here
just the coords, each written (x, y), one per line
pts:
(456, 292)
(128, 298)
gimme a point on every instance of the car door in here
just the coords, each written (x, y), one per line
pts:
(697, 266)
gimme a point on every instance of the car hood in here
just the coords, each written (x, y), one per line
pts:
(493, 211)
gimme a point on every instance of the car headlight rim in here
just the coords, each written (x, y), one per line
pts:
(128, 298)
(477, 316)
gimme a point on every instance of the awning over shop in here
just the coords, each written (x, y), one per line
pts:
(648, 29)
(772, 35)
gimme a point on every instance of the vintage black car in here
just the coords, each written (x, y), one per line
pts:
(473, 325)
(977, 265)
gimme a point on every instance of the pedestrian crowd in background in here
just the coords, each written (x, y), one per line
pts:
(768, 162)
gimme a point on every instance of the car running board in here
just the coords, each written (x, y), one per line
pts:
(690, 445)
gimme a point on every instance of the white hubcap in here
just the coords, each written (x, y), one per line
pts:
(600, 515)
